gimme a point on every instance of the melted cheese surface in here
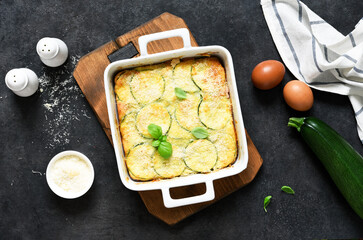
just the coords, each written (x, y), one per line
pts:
(146, 95)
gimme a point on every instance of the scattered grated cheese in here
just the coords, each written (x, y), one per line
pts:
(58, 94)
(37, 172)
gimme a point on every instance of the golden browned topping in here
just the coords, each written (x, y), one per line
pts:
(189, 100)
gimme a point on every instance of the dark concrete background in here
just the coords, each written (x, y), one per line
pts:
(31, 133)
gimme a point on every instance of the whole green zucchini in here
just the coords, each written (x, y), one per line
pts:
(343, 163)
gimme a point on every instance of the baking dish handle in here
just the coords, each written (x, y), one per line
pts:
(207, 196)
(181, 32)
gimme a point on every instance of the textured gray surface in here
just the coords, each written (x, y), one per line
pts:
(31, 133)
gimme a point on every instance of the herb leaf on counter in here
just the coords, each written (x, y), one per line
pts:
(266, 202)
(287, 189)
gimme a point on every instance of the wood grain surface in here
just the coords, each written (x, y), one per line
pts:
(89, 76)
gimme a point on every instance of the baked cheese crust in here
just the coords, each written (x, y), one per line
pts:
(146, 95)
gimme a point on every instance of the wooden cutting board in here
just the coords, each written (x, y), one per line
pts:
(89, 76)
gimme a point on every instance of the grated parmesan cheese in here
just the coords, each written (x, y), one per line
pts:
(71, 173)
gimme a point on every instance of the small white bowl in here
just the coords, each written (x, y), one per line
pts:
(58, 190)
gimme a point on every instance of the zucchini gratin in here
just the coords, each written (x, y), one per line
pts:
(146, 95)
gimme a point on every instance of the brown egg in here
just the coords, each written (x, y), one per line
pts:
(298, 95)
(268, 74)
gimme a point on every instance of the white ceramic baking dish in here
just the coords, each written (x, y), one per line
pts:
(146, 59)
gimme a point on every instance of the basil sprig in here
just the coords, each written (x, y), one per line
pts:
(266, 202)
(287, 189)
(180, 93)
(200, 132)
(154, 130)
(155, 143)
(164, 148)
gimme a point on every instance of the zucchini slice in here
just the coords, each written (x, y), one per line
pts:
(177, 132)
(172, 167)
(125, 108)
(130, 135)
(201, 155)
(186, 112)
(153, 113)
(122, 87)
(188, 171)
(139, 162)
(209, 75)
(147, 86)
(226, 148)
(182, 75)
(125, 101)
(215, 112)
(169, 94)
(136, 178)
(183, 143)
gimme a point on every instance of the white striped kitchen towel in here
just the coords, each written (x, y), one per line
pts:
(316, 53)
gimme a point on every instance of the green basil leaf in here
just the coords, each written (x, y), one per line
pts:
(200, 132)
(180, 93)
(160, 138)
(266, 202)
(154, 130)
(165, 149)
(287, 189)
(163, 139)
(155, 143)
